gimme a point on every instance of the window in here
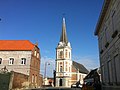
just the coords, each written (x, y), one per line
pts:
(117, 68)
(36, 79)
(66, 66)
(0, 60)
(103, 74)
(113, 19)
(69, 54)
(35, 53)
(23, 61)
(106, 34)
(69, 69)
(61, 54)
(60, 68)
(66, 52)
(58, 54)
(11, 61)
(32, 78)
(110, 72)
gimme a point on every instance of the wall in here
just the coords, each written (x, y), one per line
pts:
(35, 67)
(110, 55)
(17, 66)
(20, 80)
(5, 81)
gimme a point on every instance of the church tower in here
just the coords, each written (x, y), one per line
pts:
(63, 59)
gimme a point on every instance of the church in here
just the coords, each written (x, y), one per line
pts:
(68, 72)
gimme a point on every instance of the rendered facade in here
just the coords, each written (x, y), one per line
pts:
(108, 32)
(21, 56)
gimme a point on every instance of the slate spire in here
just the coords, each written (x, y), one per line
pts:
(63, 37)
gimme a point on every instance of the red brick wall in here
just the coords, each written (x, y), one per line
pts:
(74, 76)
(19, 79)
(40, 80)
(35, 68)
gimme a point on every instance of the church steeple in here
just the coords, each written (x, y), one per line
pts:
(63, 37)
(63, 59)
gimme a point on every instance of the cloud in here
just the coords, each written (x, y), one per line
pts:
(90, 62)
(49, 67)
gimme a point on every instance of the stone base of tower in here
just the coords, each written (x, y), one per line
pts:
(63, 82)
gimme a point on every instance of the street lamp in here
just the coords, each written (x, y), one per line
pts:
(46, 63)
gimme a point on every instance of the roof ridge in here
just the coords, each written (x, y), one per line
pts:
(81, 67)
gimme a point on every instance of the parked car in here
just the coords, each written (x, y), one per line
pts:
(76, 85)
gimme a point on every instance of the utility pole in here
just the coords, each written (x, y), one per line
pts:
(46, 63)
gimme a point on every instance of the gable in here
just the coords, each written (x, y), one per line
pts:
(81, 68)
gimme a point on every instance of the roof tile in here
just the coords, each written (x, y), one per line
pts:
(16, 45)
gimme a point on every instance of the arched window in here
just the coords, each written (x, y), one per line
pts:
(69, 54)
(35, 53)
(58, 54)
(32, 78)
(61, 54)
(60, 68)
(36, 79)
(66, 52)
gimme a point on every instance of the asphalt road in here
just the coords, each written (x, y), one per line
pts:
(55, 88)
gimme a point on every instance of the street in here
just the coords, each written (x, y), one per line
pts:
(56, 88)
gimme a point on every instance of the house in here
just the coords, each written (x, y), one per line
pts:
(93, 77)
(108, 33)
(23, 57)
(48, 82)
(67, 71)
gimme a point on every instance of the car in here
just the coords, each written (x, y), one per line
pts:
(76, 85)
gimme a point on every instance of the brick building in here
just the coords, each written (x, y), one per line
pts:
(67, 71)
(21, 56)
(108, 32)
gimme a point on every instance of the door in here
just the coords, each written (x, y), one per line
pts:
(60, 82)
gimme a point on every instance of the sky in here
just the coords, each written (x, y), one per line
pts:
(41, 21)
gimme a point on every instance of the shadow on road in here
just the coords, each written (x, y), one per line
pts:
(55, 88)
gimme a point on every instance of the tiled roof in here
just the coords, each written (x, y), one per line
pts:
(81, 68)
(16, 45)
(92, 74)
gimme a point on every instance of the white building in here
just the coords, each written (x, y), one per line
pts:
(67, 71)
(108, 32)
